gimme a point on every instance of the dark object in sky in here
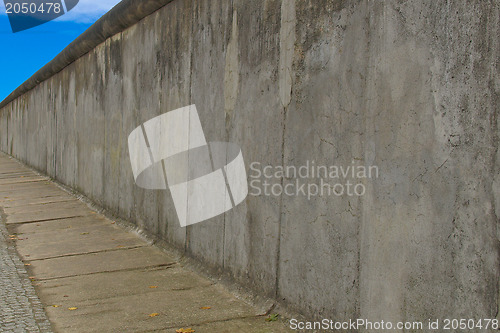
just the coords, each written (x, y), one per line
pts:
(26, 14)
(70, 4)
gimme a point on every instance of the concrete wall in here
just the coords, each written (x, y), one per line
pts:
(409, 86)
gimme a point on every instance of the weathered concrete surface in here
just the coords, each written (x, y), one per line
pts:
(411, 87)
(113, 279)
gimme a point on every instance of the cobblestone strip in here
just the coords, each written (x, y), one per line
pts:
(20, 309)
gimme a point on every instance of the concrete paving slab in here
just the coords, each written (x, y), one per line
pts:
(118, 284)
(92, 220)
(11, 203)
(66, 205)
(27, 193)
(121, 259)
(8, 175)
(174, 309)
(42, 183)
(87, 231)
(9, 192)
(20, 183)
(13, 167)
(47, 215)
(76, 241)
(21, 180)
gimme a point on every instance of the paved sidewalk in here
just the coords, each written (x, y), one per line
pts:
(20, 308)
(93, 276)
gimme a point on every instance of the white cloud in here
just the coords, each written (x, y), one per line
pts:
(88, 11)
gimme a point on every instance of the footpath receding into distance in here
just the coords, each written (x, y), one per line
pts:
(93, 276)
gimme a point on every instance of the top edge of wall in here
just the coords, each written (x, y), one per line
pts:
(124, 15)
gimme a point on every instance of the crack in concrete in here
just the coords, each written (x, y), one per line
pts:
(46, 220)
(168, 265)
(86, 253)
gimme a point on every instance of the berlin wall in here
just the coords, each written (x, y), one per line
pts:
(406, 91)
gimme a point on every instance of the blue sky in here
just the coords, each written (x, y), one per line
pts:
(25, 52)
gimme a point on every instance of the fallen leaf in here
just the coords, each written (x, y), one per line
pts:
(65, 296)
(84, 233)
(185, 330)
(153, 287)
(55, 306)
(205, 307)
(72, 309)
(273, 317)
(120, 246)
(154, 315)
